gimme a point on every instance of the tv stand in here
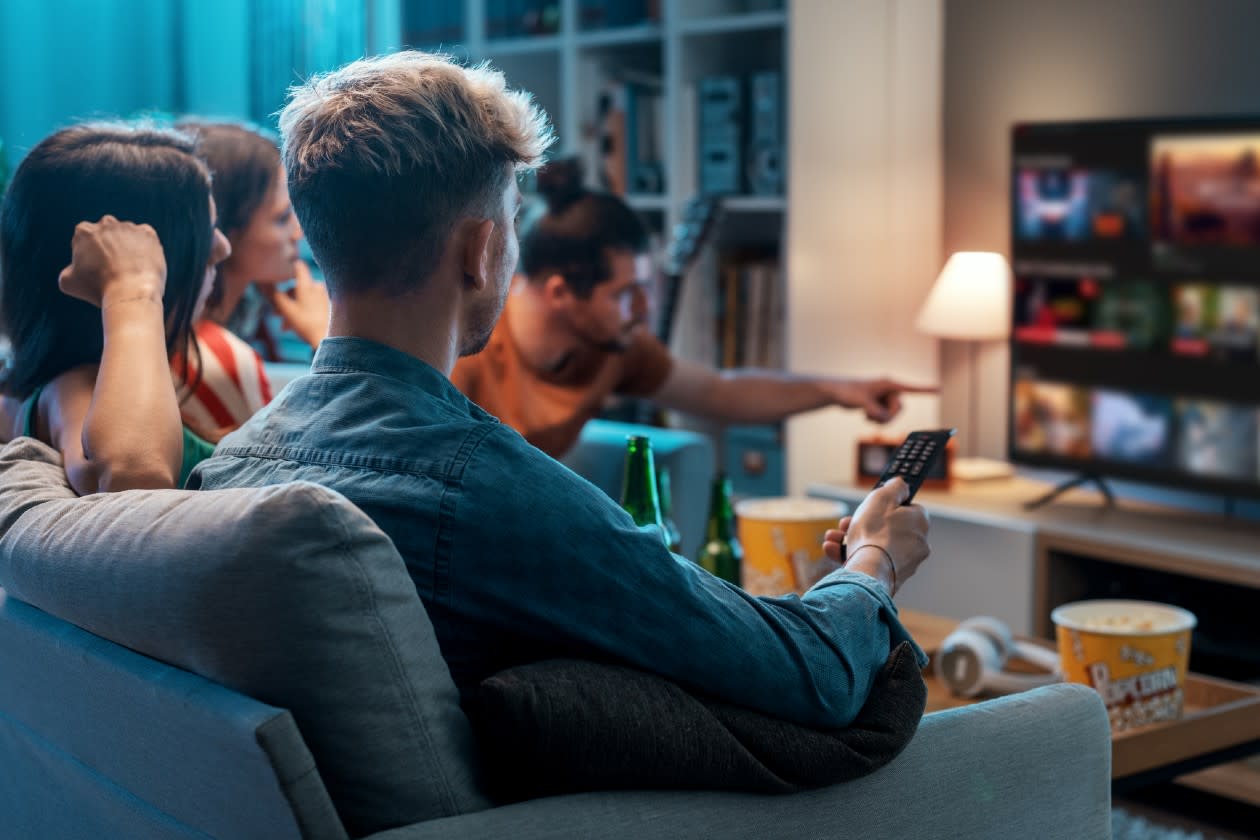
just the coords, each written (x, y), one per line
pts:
(1072, 484)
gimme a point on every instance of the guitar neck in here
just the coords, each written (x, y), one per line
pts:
(669, 307)
(689, 239)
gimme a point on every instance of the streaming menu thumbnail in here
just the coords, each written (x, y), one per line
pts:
(1076, 204)
(1221, 322)
(1218, 440)
(1137, 428)
(1055, 311)
(1135, 314)
(1052, 419)
(1205, 197)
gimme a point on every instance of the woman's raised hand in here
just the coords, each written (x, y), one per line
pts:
(114, 261)
(304, 309)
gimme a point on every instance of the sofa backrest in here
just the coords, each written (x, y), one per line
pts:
(287, 594)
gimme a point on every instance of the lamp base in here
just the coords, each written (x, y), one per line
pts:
(980, 469)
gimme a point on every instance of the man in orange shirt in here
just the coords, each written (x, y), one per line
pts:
(573, 333)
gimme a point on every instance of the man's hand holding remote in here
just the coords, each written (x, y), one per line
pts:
(884, 538)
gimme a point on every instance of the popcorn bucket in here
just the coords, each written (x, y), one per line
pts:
(1134, 654)
(782, 540)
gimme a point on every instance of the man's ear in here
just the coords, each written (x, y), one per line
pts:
(555, 289)
(476, 256)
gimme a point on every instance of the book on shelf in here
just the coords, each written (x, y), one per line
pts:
(630, 119)
(750, 312)
(521, 18)
(606, 14)
(433, 22)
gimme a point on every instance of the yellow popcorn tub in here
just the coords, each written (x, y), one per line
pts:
(782, 540)
(1133, 653)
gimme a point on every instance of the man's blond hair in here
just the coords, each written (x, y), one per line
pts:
(386, 154)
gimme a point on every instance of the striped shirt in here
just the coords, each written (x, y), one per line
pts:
(233, 383)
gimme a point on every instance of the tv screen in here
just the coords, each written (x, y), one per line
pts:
(1135, 343)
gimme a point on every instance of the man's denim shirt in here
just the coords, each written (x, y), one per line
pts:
(517, 559)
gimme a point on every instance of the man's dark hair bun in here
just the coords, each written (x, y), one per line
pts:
(560, 183)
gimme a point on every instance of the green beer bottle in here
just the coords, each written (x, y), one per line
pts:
(721, 554)
(672, 535)
(638, 485)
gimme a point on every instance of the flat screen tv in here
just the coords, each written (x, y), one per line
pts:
(1135, 342)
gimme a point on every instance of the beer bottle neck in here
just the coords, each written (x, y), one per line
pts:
(721, 525)
(638, 487)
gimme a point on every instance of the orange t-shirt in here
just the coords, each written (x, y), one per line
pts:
(550, 409)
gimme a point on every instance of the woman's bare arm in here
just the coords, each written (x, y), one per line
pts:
(118, 425)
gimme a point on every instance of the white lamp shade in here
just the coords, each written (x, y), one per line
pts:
(970, 300)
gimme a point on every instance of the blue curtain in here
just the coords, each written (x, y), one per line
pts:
(69, 60)
(73, 60)
(292, 39)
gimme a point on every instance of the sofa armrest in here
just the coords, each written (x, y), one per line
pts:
(1036, 764)
(600, 455)
(100, 741)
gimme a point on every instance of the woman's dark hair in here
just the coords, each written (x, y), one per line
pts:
(79, 174)
(245, 163)
(574, 237)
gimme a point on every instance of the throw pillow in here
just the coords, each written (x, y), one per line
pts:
(563, 726)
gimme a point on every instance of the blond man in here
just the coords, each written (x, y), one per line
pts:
(401, 170)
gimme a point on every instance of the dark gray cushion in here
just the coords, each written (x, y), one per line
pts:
(566, 726)
(287, 594)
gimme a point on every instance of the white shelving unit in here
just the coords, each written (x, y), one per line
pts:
(567, 70)
(739, 22)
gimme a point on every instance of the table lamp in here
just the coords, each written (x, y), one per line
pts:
(971, 302)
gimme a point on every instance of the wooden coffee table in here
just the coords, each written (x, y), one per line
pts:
(1221, 721)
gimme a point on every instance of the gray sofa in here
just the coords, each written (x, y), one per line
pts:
(256, 664)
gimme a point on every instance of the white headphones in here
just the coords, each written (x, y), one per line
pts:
(971, 659)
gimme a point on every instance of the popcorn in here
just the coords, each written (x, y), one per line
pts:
(1133, 653)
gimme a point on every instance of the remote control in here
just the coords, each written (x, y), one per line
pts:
(911, 462)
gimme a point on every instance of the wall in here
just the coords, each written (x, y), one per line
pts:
(864, 227)
(1022, 60)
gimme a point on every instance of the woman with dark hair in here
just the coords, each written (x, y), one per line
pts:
(94, 310)
(258, 220)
